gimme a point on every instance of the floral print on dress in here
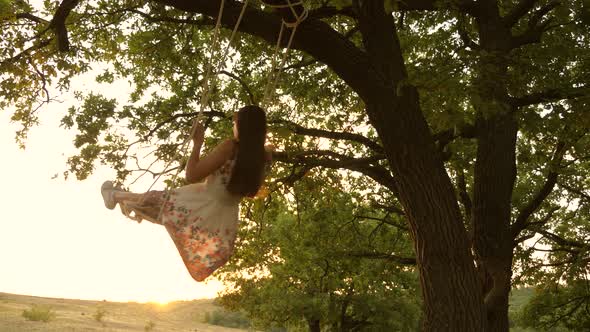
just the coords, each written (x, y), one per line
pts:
(202, 225)
(201, 219)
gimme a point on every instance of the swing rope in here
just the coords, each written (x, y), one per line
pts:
(207, 83)
(273, 77)
(205, 97)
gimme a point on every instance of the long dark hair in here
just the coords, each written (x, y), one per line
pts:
(248, 170)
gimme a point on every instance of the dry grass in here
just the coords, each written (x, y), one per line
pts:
(39, 314)
(78, 315)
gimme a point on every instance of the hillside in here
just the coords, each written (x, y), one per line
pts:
(81, 315)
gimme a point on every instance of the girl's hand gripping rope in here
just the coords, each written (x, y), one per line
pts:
(197, 132)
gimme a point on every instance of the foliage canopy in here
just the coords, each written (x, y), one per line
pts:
(466, 119)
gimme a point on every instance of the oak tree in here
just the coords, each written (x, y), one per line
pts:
(470, 117)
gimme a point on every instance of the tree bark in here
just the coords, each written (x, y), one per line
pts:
(451, 292)
(450, 287)
(494, 179)
(495, 166)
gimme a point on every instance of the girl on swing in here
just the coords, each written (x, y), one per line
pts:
(202, 217)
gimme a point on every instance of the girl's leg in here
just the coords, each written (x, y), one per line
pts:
(141, 206)
(135, 206)
(120, 196)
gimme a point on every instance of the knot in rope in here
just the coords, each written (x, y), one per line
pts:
(273, 77)
(292, 5)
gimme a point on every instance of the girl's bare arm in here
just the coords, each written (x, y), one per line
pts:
(197, 169)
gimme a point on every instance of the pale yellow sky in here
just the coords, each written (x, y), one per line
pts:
(58, 240)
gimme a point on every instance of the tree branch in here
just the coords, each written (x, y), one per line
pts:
(534, 204)
(31, 17)
(464, 35)
(339, 135)
(466, 6)
(351, 32)
(43, 80)
(366, 166)
(542, 194)
(209, 114)
(520, 10)
(379, 255)
(296, 175)
(549, 95)
(314, 37)
(529, 225)
(537, 16)
(578, 301)
(58, 23)
(385, 221)
(531, 36)
(575, 191)
(523, 238)
(149, 18)
(25, 52)
(535, 29)
(300, 64)
(330, 11)
(445, 137)
(561, 241)
(242, 83)
(559, 249)
(389, 208)
(463, 195)
(569, 261)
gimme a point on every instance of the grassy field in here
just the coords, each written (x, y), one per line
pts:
(79, 315)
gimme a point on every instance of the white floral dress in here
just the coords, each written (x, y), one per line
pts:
(201, 218)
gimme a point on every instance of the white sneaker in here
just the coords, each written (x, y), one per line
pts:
(108, 194)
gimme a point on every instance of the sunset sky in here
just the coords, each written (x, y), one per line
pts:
(58, 240)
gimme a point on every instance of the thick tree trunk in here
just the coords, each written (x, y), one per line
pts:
(451, 290)
(494, 179)
(495, 167)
